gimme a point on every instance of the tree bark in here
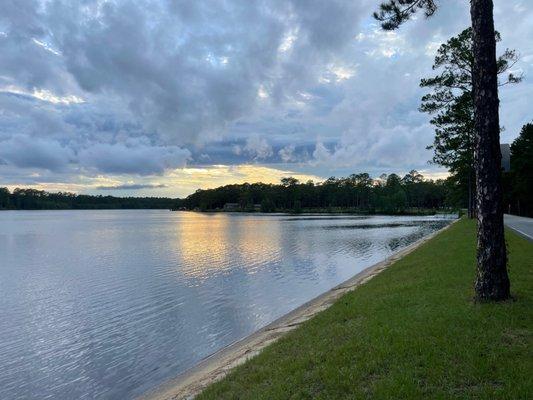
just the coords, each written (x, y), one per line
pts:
(492, 281)
(472, 173)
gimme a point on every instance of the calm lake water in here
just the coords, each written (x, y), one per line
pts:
(110, 304)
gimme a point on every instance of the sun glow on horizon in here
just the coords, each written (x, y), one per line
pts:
(179, 182)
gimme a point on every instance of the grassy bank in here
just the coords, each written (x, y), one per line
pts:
(411, 332)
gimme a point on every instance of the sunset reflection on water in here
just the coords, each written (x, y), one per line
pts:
(214, 243)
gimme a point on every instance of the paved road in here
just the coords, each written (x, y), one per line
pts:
(522, 225)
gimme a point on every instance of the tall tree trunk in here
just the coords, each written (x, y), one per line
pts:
(492, 282)
(471, 174)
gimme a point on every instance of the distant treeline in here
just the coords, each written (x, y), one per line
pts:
(31, 199)
(358, 192)
(518, 183)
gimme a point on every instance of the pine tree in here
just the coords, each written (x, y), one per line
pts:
(522, 171)
(492, 281)
(451, 104)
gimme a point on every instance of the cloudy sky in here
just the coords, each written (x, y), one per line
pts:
(161, 97)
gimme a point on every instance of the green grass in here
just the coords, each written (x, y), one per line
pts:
(412, 332)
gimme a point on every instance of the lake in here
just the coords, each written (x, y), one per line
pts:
(110, 304)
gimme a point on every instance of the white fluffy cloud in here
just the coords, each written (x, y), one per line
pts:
(258, 147)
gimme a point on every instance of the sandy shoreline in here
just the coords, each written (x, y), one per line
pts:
(216, 366)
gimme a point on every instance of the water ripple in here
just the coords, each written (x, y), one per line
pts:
(109, 304)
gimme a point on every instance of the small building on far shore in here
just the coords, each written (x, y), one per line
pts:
(238, 207)
(232, 207)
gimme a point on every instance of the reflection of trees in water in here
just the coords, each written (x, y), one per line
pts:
(328, 218)
(400, 224)
(361, 247)
(371, 226)
(397, 242)
(425, 229)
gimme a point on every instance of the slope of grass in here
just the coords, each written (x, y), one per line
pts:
(411, 332)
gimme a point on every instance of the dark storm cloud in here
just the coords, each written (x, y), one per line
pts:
(172, 73)
(26, 152)
(188, 69)
(137, 158)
